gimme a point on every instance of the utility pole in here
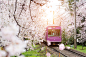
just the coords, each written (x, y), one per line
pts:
(53, 17)
(75, 45)
(47, 21)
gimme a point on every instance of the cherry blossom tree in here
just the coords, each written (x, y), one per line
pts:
(21, 19)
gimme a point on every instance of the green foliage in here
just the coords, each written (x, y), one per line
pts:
(83, 19)
(26, 39)
(79, 48)
(85, 31)
(37, 52)
(77, 31)
(64, 39)
(70, 3)
(13, 56)
(71, 40)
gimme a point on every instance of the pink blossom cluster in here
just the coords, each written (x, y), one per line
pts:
(61, 47)
(48, 54)
(48, 43)
(16, 45)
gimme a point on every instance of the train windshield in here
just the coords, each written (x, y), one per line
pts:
(54, 32)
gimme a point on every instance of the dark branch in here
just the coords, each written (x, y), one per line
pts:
(22, 8)
(41, 4)
(9, 9)
(15, 17)
(14, 13)
(30, 10)
(82, 4)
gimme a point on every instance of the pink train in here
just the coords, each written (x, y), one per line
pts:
(53, 35)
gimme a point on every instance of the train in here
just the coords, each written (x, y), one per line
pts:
(53, 35)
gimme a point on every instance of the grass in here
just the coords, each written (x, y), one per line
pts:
(79, 48)
(37, 52)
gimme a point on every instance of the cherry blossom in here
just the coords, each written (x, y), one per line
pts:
(16, 46)
(8, 32)
(48, 54)
(22, 17)
(61, 47)
(67, 47)
(42, 48)
(2, 53)
(48, 43)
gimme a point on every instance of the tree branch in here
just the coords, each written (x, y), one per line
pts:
(30, 10)
(41, 4)
(22, 8)
(15, 17)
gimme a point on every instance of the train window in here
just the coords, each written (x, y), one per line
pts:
(54, 32)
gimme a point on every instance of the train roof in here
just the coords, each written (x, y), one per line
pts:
(53, 25)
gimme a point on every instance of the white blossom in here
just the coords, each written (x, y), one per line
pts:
(2, 53)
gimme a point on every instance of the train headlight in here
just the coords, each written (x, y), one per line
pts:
(53, 27)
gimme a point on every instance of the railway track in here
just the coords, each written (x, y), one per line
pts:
(77, 52)
(69, 53)
(65, 52)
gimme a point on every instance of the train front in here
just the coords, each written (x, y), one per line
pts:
(53, 35)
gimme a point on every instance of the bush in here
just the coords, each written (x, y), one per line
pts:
(71, 40)
(64, 39)
(77, 31)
